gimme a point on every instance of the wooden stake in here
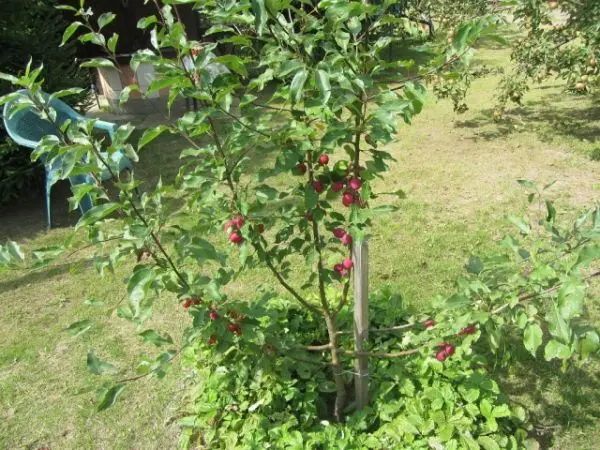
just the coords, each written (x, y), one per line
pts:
(360, 257)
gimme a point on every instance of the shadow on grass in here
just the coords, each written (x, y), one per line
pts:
(36, 276)
(557, 400)
(546, 117)
(25, 217)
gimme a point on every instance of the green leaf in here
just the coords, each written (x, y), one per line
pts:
(528, 184)
(67, 92)
(105, 19)
(570, 299)
(475, 265)
(557, 325)
(589, 344)
(153, 337)
(260, 15)
(264, 193)
(383, 209)
(93, 302)
(139, 283)
(150, 134)
(15, 251)
(532, 338)
(486, 408)
(551, 212)
(69, 32)
(108, 397)
(297, 85)
(501, 411)
(10, 78)
(201, 250)
(322, 82)
(588, 253)
(521, 224)
(80, 327)
(112, 42)
(416, 94)
(124, 95)
(555, 349)
(311, 198)
(342, 39)
(487, 443)
(234, 63)
(214, 290)
(99, 63)
(97, 213)
(66, 8)
(145, 22)
(97, 366)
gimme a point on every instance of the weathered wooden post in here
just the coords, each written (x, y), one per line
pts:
(360, 257)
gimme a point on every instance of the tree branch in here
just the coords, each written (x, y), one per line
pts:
(525, 297)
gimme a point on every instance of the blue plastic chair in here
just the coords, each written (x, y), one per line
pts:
(26, 128)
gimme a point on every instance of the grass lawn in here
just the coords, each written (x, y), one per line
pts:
(460, 174)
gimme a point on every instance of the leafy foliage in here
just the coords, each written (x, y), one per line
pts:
(261, 389)
(310, 94)
(561, 41)
(32, 30)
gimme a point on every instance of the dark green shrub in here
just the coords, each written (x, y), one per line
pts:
(260, 390)
(33, 29)
(18, 173)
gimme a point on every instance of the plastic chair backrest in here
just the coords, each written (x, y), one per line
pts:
(26, 128)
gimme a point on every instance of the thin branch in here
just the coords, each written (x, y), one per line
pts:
(290, 289)
(423, 75)
(343, 300)
(156, 369)
(384, 330)
(85, 247)
(265, 106)
(383, 354)
(238, 120)
(525, 297)
(222, 153)
(317, 242)
(318, 348)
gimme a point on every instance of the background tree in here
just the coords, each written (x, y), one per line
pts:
(32, 30)
(561, 41)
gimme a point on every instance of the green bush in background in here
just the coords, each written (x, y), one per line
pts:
(32, 29)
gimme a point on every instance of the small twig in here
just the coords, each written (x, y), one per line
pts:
(238, 120)
(383, 354)
(423, 75)
(525, 297)
(343, 300)
(85, 247)
(139, 377)
(318, 348)
(383, 330)
(290, 289)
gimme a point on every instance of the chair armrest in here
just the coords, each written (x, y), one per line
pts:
(107, 126)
